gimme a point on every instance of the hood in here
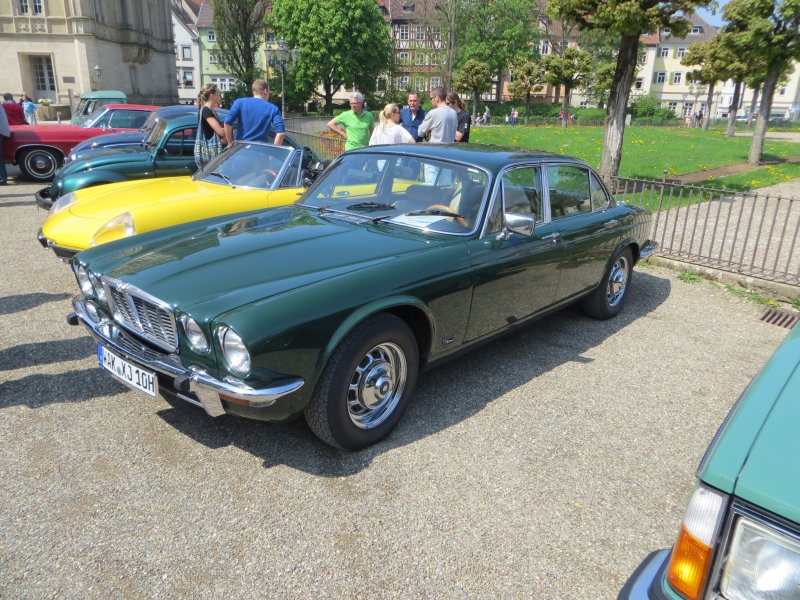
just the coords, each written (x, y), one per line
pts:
(212, 266)
(105, 158)
(107, 201)
(754, 452)
(110, 139)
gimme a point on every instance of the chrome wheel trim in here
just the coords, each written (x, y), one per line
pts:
(617, 281)
(40, 163)
(377, 385)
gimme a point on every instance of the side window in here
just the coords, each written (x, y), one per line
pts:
(569, 190)
(181, 143)
(520, 192)
(599, 195)
(104, 121)
(128, 119)
(290, 178)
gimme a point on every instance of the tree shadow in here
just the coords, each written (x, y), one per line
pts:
(445, 396)
(45, 353)
(20, 195)
(36, 391)
(20, 302)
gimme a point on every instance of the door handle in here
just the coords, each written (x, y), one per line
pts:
(554, 237)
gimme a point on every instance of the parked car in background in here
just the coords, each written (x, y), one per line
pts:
(95, 100)
(396, 259)
(246, 177)
(740, 535)
(40, 149)
(168, 151)
(131, 139)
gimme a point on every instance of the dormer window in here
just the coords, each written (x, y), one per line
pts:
(696, 30)
(666, 31)
(409, 6)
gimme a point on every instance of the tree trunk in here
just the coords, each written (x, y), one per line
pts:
(709, 101)
(328, 89)
(527, 106)
(760, 131)
(475, 103)
(565, 107)
(734, 108)
(617, 105)
(752, 110)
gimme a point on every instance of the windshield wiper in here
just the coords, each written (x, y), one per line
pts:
(223, 176)
(439, 212)
(369, 205)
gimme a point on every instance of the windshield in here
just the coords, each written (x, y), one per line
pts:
(154, 136)
(249, 165)
(96, 119)
(414, 191)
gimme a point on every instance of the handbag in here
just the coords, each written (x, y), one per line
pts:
(205, 149)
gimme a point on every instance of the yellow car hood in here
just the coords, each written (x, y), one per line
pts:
(154, 204)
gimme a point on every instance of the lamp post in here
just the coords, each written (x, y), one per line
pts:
(98, 71)
(279, 58)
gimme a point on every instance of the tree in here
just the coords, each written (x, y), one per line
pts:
(496, 32)
(239, 27)
(769, 29)
(474, 77)
(569, 70)
(628, 20)
(602, 48)
(528, 78)
(712, 62)
(341, 42)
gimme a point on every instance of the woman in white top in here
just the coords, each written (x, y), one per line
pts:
(389, 131)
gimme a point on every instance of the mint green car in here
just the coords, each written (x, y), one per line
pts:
(740, 535)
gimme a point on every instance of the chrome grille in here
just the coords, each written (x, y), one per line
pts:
(142, 314)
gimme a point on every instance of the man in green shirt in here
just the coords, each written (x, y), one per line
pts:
(354, 125)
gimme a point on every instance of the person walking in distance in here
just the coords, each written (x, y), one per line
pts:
(257, 117)
(412, 116)
(354, 125)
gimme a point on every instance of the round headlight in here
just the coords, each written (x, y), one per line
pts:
(234, 350)
(121, 226)
(62, 203)
(194, 335)
(83, 281)
(98, 288)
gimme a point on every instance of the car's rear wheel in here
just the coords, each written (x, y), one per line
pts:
(606, 301)
(366, 384)
(40, 164)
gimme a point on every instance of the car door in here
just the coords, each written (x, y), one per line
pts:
(588, 232)
(515, 275)
(175, 153)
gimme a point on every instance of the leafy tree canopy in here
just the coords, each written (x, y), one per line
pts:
(474, 77)
(239, 27)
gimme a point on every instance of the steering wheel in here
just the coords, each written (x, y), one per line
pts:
(443, 207)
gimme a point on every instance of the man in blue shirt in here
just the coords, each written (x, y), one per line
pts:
(411, 117)
(256, 116)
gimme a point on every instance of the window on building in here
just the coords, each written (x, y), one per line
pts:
(186, 52)
(404, 58)
(212, 37)
(666, 31)
(663, 52)
(688, 109)
(24, 7)
(639, 83)
(402, 32)
(224, 83)
(402, 82)
(419, 33)
(673, 106)
(681, 53)
(696, 30)
(270, 37)
(420, 59)
(382, 84)
(544, 47)
(782, 90)
(435, 58)
(584, 104)
(661, 77)
(188, 78)
(37, 7)
(436, 82)
(436, 34)
(419, 82)
(213, 58)
(677, 77)
(643, 59)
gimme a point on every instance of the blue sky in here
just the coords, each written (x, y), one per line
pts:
(714, 19)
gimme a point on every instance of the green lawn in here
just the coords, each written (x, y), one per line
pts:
(648, 151)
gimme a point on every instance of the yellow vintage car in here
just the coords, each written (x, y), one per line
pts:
(248, 176)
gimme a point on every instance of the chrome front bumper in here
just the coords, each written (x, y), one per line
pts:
(206, 391)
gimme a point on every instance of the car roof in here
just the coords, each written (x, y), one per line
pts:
(491, 157)
(176, 109)
(132, 106)
(104, 94)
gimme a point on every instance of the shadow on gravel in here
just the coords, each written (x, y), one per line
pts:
(45, 353)
(444, 397)
(24, 195)
(20, 302)
(36, 391)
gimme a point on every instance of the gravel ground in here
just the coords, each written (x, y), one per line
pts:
(547, 464)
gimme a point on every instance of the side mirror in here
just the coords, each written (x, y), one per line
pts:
(520, 224)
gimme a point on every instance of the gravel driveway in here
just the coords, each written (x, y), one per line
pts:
(546, 464)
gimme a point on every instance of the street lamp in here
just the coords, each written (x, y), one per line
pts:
(279, 58)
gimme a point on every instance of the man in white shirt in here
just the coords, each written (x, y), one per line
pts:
(440, 123)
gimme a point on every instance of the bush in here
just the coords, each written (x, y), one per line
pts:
(644, 107)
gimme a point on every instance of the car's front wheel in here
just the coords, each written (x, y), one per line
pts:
(366, 385)
(40, 164)
(606, 301)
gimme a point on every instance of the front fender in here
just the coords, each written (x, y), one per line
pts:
(79, 181)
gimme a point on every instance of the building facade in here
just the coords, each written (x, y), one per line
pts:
(187, 49)
(57, 50)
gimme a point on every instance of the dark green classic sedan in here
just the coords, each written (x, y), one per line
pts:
(395, 259)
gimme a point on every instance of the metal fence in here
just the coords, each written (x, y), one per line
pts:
(752, 234)
(314, 133)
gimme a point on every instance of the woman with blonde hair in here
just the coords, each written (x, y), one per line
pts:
(210, 132)
(389, 131)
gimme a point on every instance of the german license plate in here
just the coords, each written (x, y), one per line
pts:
(127, 372)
